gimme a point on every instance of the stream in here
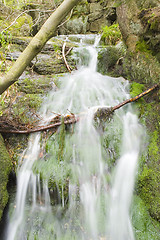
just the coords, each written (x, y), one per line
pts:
(78, 184)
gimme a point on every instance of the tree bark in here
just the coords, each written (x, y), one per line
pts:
(37, 43)
(129, 23)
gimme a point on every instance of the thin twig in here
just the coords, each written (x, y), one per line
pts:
(60, 25)
(24, 12)
(64, 57)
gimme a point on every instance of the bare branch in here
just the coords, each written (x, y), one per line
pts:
(156, 86)
(66, 19)
(64, 57)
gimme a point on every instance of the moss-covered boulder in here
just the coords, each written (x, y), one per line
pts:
(110, 59)
(148, 182)
(5, 167)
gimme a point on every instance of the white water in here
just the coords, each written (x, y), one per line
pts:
(99, 197)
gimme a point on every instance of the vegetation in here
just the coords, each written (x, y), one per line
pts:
(111, 35)
(140, 67)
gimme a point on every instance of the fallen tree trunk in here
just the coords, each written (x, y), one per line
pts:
(101, 113)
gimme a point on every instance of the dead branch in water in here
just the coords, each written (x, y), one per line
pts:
(101, 113)
(155, 87)
(56, 122)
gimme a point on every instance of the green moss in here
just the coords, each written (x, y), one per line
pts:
(144, 226)
(5, 167)
(52, 166)
(149, 177)
(25, 108)
(148, 190)
(136, 88)
(81, 9)
(35, 85)
(153, 146)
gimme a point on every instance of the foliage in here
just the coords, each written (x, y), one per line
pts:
(111, 35)
(5, 39)
(142, 46)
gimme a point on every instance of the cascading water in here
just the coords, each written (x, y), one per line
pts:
(99, 193)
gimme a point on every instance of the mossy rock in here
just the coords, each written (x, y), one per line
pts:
(144, 226)
(25, 108)
(35, 84)
(5, 168)
(140, 67)
(148, 184)
(109, 58)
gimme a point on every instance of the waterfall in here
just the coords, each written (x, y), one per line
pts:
(96, 166)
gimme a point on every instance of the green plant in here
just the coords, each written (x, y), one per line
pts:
(111, 35)
(142, 46)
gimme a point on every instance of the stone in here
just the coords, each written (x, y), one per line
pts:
(95, 7)
(97, 24)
